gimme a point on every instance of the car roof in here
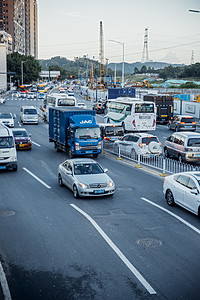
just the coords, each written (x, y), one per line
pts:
(141, 134)
(28, 106)
(19, 129)
(81, 160)
(195, 174)
(187, 133)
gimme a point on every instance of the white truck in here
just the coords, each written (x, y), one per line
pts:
(8, 153)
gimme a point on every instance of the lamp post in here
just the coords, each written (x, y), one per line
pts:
(22, 62)
(122, 44)
(10, 80)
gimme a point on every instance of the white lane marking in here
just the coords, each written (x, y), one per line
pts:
(4, 284)
(36, 144)
(173, 215)
(37, 178)
(117, 251)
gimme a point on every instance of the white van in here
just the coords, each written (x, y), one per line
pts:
(28, 114)
(8, 153)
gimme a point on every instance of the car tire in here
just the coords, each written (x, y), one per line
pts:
(133, 154)
(166, 153)
(60, 182)
(75, 192)
(170, 198)
(15, 169)
(95, 155)
(123, 126)
(108, 121)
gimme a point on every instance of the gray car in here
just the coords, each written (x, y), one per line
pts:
(85, 177)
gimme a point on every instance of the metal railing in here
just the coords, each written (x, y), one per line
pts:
(165, 165)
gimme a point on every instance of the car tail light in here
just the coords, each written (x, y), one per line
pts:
(140, 145)
(164, 180)
(160, 144)
(154, 122)
(193, 122)
(182, 122)
(134, 123)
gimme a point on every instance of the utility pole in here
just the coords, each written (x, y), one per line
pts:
(145, 54)
(22, 62)
(101, 54)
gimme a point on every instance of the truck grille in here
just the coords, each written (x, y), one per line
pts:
(88, 148)
(98, 185)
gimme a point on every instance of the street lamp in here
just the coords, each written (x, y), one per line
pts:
(122, 44)
(22, 62)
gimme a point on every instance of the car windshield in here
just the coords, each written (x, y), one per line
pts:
(148, 140)
(194, 142)
(5, 116)
(89, 168)
(113, 131)
(187, 120)
(19, 133)
(6, 142)
(87, 133)
(30, 111)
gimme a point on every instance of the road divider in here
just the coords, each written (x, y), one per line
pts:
(147, 286)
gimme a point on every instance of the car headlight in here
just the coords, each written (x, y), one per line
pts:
(99, 145)
(83, 185)
(111, 183)
(77, 146)
(14, 158)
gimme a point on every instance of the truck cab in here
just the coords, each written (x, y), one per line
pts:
(8, 153)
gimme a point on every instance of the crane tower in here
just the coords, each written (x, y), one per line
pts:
(101, 54)
(145, 54)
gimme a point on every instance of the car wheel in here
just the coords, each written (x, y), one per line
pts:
(60, 182)
(15, 169)
(123, 126)
(95, 155)
(133, 154)
(170, 198)
(75, 192)
(166, 153)
(108, 121)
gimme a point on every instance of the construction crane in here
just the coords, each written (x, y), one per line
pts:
(101, 54)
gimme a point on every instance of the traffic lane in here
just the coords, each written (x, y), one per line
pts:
(158, 245)
(49, 242)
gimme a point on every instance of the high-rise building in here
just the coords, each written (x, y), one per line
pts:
(31, 28)
(19, 19)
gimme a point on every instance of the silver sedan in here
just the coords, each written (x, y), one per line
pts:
(85, 177)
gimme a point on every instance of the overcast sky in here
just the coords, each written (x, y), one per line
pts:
(71, 29)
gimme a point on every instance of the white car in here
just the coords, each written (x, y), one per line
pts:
(22, 95)
(2, 100)
(30, 95)
(7, 119)
(85, 177)
(183, 189)
(133, 144)
(15, 94)
(81, 105)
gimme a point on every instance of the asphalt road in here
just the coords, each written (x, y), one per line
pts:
(53, 246)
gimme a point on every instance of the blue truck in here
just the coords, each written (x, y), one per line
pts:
(114, 93)
(74, 130)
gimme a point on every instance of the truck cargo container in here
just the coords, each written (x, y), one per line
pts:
(75, 131)
(114, 93)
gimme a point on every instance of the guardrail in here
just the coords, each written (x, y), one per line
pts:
(165, 165)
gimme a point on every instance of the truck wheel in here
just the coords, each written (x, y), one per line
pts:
(123, 126)
(15, 169)
(95, 155)
(70, 153)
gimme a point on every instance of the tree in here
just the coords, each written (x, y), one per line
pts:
(31, 67)
(143, 69)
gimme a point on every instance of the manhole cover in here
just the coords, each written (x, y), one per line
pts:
(148, 242)
(6, 213)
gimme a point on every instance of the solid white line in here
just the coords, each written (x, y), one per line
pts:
(173, 215)
(37, 178)
(36, 144)
(4, 284)
(117, 251)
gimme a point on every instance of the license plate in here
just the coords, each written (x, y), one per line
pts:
(89, 151)
(197, 155)
(2, 167)
(99, 191)
(21, 145)
(188, 126)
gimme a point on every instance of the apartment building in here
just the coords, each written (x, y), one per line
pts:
(19, 19)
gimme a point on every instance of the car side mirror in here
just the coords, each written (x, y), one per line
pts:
(194, 191)
(14, 116)
(105, 170)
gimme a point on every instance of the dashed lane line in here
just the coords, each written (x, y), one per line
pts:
(4, 284)
(117, 251)
(173, 215)
(37, 178)
(36, 144)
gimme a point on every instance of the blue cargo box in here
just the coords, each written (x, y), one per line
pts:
(114, 93)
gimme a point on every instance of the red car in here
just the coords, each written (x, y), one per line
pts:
(22, 139)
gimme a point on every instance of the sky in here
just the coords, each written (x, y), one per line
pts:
(72, 28)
